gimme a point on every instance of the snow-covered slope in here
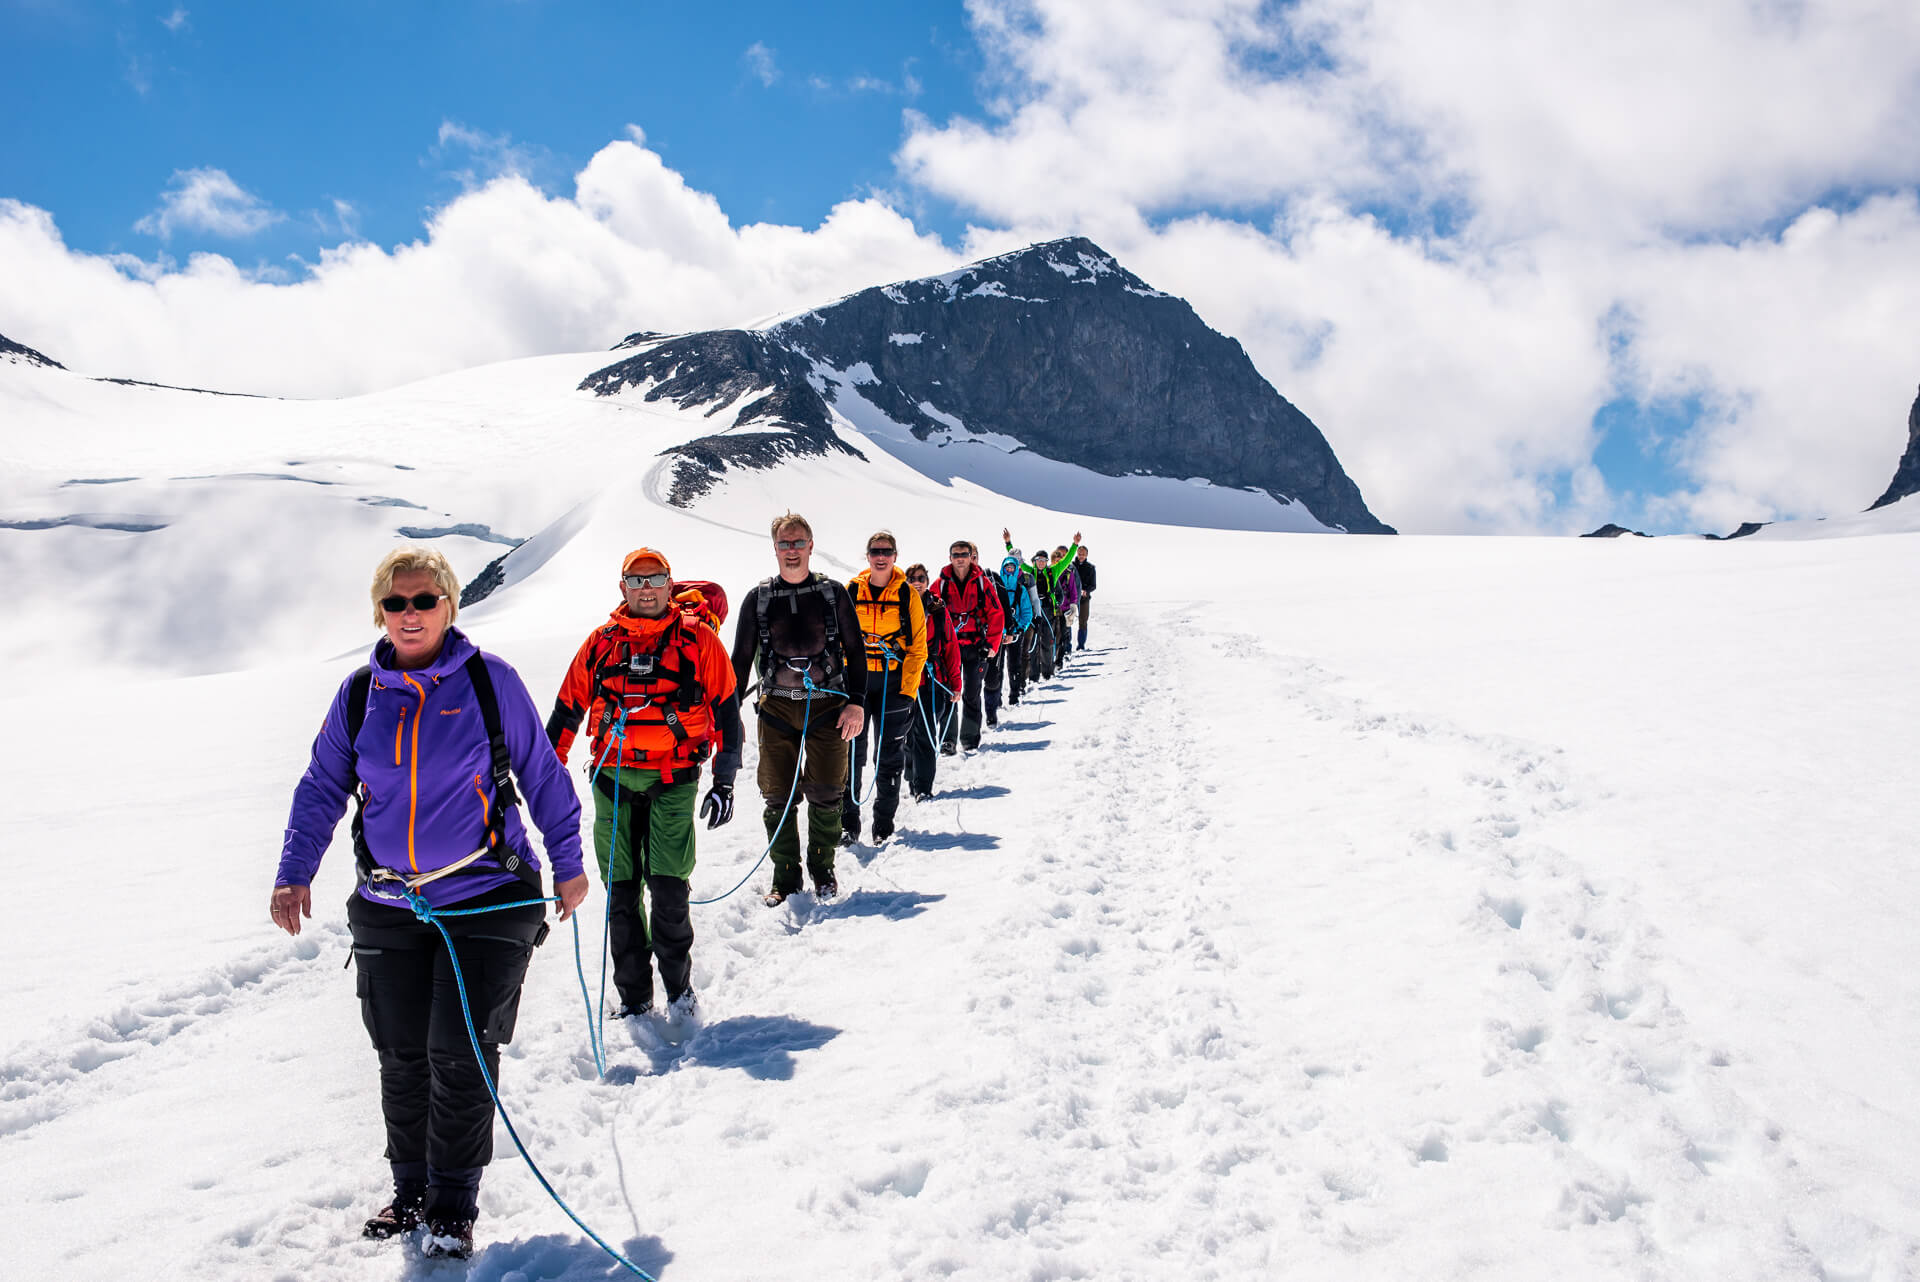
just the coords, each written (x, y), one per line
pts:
(1410, 907)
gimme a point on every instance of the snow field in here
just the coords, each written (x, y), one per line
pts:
(1435, 908)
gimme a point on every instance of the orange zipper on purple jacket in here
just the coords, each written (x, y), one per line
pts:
(413, 770)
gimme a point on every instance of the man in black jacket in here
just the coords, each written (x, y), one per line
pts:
(1083, 568)
(799, 629)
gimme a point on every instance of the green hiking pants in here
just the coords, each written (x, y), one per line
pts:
(662, 827)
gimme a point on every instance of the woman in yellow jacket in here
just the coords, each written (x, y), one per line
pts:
(895, 627)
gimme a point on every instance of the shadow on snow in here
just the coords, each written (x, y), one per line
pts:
(551, 1255)
(761, 1046)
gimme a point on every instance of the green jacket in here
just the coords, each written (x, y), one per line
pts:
(1047, 578)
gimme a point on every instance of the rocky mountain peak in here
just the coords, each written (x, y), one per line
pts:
(1055, 348)
(1906, 477)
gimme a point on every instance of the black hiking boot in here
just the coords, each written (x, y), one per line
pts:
(881, 832)
(402, 1215)
(448, 1239)
(775, 897)
(825, 887)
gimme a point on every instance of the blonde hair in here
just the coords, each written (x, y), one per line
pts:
(790, 521)
(403, 560)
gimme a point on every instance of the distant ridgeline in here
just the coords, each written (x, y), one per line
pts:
(1056, 346)
(21, 354)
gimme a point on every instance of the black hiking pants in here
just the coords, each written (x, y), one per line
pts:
(438, 1113)
(1007, 671)
(923, 738)
(663, 935)
(965, 729)
(889, 717)
(1040, 650)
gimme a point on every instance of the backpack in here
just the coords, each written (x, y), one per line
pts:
(702, 601)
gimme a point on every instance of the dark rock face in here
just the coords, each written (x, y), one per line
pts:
(1906, 477)
(1080, 360)
(20, 352)
(1612, 531)
(1056, 346)
(719, 368)
(1746, 528)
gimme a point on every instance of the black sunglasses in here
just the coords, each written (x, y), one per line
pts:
(918, 580)
(647, 580)
(791, 545)
(421, 601)
(882, 552)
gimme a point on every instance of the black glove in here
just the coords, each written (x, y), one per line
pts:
(718, 807)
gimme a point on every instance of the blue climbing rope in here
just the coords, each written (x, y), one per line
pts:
(426, 912)
(806, 713)
(596, 1036)
(879, 733)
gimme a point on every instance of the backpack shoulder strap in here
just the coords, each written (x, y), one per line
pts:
(504, 795)
(359, 687)
(483, 693)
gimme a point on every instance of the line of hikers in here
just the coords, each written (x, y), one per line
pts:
(428, 739)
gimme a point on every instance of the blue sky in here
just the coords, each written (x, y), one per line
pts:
(1527, 276)
(776, 111)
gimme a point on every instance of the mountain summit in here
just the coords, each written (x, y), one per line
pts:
(1056, 349)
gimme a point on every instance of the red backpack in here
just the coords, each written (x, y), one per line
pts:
(701, 601)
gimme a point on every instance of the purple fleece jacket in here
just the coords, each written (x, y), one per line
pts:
(422, 754)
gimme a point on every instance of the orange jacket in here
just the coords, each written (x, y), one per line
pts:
(895, 625)
(662, 673)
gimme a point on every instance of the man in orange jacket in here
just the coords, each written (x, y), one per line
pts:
(895, 628)
(659, 691)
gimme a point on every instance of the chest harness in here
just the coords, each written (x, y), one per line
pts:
(818, 676)
(890, 646)
(636, 688)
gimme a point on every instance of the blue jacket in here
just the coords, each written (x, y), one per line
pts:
(1018, 599)
(422, 755)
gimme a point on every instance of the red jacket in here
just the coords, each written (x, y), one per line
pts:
(974, 607)
(943, 648)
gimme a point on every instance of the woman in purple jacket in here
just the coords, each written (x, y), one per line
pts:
(432, 819)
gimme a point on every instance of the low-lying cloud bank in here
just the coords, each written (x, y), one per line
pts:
(1450, 238)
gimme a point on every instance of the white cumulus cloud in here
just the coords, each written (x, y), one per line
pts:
(207, 200)
(502, 271)
(1452, 233)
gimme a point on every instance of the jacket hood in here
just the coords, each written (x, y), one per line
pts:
(455, 650)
